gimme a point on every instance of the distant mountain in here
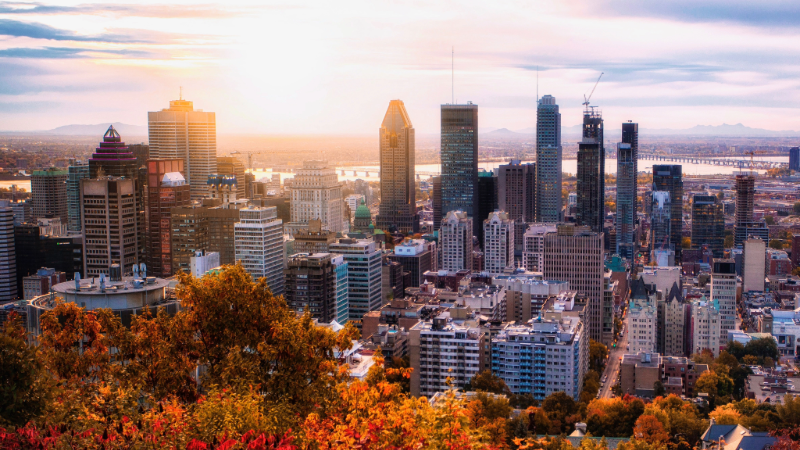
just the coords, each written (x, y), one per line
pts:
(99, 129)
(503, 132)
(725, 129)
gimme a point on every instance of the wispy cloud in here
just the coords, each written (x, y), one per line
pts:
(153, 11)
(34, 30)
(66, 52)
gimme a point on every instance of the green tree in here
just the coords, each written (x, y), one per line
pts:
(761, 348)
(728, 241)
(658, 389)
(796, 208)
(736, 349)
(486, 381)
(559, 406)
(777, 244)
(789, 411)
(598, 353)
(770, 220)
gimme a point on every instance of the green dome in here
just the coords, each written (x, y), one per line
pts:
(362, 212)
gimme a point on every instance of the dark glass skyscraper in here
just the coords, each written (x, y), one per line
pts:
(398, 208)
(591, 183)
(794, 159)
(669, 177)
(626, 200)
(487, 198)
(516, 189)
(630, 135)
(460, 160)
(745, 226)
(113, 158)
(708, 223)
(548, 160)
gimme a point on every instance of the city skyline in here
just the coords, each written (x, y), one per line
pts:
(58, 60)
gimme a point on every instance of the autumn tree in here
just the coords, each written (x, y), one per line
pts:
(24, 389)
(486, 381)
(598, 354)
(613, 417)
(559, 407)
(650, 429)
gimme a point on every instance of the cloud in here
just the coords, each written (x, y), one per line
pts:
(16, 28)
(27, 107)
(64, 52)
(152, 11)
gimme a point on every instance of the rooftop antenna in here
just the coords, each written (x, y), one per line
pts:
(452, 75)
(181, 94)
(585, 99)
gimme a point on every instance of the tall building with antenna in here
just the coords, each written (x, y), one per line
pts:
(591, 172)
(626, 201)
(398, 208)
(548, 160)
(181, 131)
(459, 155)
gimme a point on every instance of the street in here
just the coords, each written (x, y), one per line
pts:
(612, 367)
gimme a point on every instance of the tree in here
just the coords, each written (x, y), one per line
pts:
(686, 242)
(707, 383)
(658, 389)
(397, 375)
(736, 349)
(777, 244)
(486, 381)
(24, 391)
(770, 220)
(558, 407)
(728, 241)
(613, 417)
(650, 429)
(789, 411)
(796, 208)
(762, 348)
(598, 354)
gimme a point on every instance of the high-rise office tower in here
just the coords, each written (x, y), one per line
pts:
(533, 252)
(8, 259)
(141, 152)
(630, 135)
(398, 208)
(591, 182)
(317, 194)
(436, 201)
(416, 257)
(49, 194)
(745, 226)
(455, 240)
(180, 131)
(660, 221)
(794, 159)
(626, 201)
(708, 223)
(498, 248)
(516, 193)
(575, 254)
(669, 178)
(37, 246)
(723, 294)
(113, 158)
(754, 262)
(342, 289)
(166, 189)
(548, 160)
(111, 225)
(363, 260)
(259, 245)
(705, 326)
(311, 285)
(487, 198)
(459, 156)
(76, 173)
(228, 165)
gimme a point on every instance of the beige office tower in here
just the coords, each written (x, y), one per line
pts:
(398, 208)
(575, 254)
(455, 240)
(316, 194)
(180, 131)
(229, 165)
(110, 225)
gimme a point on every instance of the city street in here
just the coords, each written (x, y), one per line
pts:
(612, 367)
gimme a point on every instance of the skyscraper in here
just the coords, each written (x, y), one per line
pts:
(548, 160)
(76, 173)
(180, 131)
(459, 156)
(436, 201)
(111, 225)
(591, 182)
(398, 208)
(794, 159)
(708, 223)
(363, 260)
(113, 158)
(745, 226)
(575, 254)
(8, 261)
(723, 294)
(630, 135)
(259, 245)
(49, 194)
(317, 194)
(166, 189)
(670, 178)
(487, 198)
(311, 285)
(498, 248)
(626, 201)
(516, 193)
(660, 223)
(455, 240)
(228, 165)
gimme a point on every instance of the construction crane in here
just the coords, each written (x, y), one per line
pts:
(586, 99)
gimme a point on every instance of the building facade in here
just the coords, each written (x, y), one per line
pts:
(533, 246)
(642, 318)
(548, 160)
(705, 326)
(231, 166)
(626, 201)
(181, 132)
(8, 256)
(415, 257)
(660, 222)
(723, 294)
(487, 198)
(166, 189)
(317, 194)
(745, 226)
(363, 260)
(754, 265)
(498, 248)
(311, 285)
(258, 240)
(455, 241)
(75, 173)
(49, 194)
(708, 223)
(398, 209)
(670, 178)
(516, 192)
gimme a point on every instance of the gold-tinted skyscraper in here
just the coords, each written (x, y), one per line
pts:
(398, 208)
(181, 132)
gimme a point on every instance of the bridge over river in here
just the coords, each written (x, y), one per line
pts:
(733, 162)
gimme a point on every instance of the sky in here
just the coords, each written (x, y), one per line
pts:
(321, 67)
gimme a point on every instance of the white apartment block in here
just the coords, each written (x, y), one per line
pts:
(723, 293)
(455, 240)
(663, 277)
(444, 349)
(533, 246)
(498, 248)
(705, 326)
(317, 194)
(525, 297)
(258, 240)
(363, 260)
(642, 319)
(543, 357)
(755, 265)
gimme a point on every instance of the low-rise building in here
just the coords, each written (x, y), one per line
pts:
(525, 297)
(771, 388)
(41, 282)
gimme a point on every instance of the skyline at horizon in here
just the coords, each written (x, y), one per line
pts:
(334, 69)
